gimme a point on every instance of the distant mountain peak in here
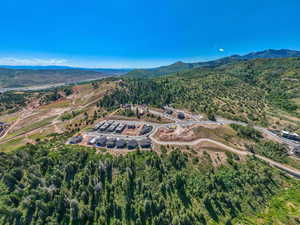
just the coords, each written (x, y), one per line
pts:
(180, 66)
(272, 53)
(178, 63)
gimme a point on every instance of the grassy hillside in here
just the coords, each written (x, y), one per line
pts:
(50, 183)
(283, 208)
(36, 114)
(244, 91)
(30, 77)
(178, 67)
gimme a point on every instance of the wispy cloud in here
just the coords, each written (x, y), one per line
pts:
(221, 49)
(12, 61)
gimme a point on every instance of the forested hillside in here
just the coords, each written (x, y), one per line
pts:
(178, 67)
(243, 91)
(271, 53)
(181, 66)
(51, 183)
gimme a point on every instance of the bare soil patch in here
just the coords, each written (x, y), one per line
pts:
(221, 133)
(132, 132)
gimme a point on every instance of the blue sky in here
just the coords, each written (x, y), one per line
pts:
(140, 33)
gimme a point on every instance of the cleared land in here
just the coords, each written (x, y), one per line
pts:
(37, 121)
(221, 133)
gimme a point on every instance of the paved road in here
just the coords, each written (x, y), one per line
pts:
(220, 121)
(292, 171)
(154, 125)
(261, 129)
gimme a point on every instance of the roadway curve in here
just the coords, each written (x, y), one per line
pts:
(291, 171)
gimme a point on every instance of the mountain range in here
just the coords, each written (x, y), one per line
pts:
(24, 76)
(181, 66)
(54, 67)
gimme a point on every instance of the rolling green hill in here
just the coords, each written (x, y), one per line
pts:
(177, 67)
(243, 90)
(181, 66)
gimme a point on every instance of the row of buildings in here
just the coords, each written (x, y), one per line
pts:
(169, 111)
(290, 135)
(112, 126)
(119, 143)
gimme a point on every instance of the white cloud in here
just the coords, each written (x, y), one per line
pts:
(221, 49)
(12, 61)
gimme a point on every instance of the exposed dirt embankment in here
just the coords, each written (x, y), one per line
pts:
(220, 133)
(193, 132)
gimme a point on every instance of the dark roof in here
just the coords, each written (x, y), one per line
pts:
(145, 143)
(112, 139)
(101, 140)
(130, 126)
(76, 139)
(181, 115)
(146, 129)
(121, 143)
(132, 144)
(111, 144)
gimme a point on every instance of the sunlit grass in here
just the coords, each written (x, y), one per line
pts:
(284, 208)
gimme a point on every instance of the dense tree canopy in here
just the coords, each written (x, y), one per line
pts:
(50, 183)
